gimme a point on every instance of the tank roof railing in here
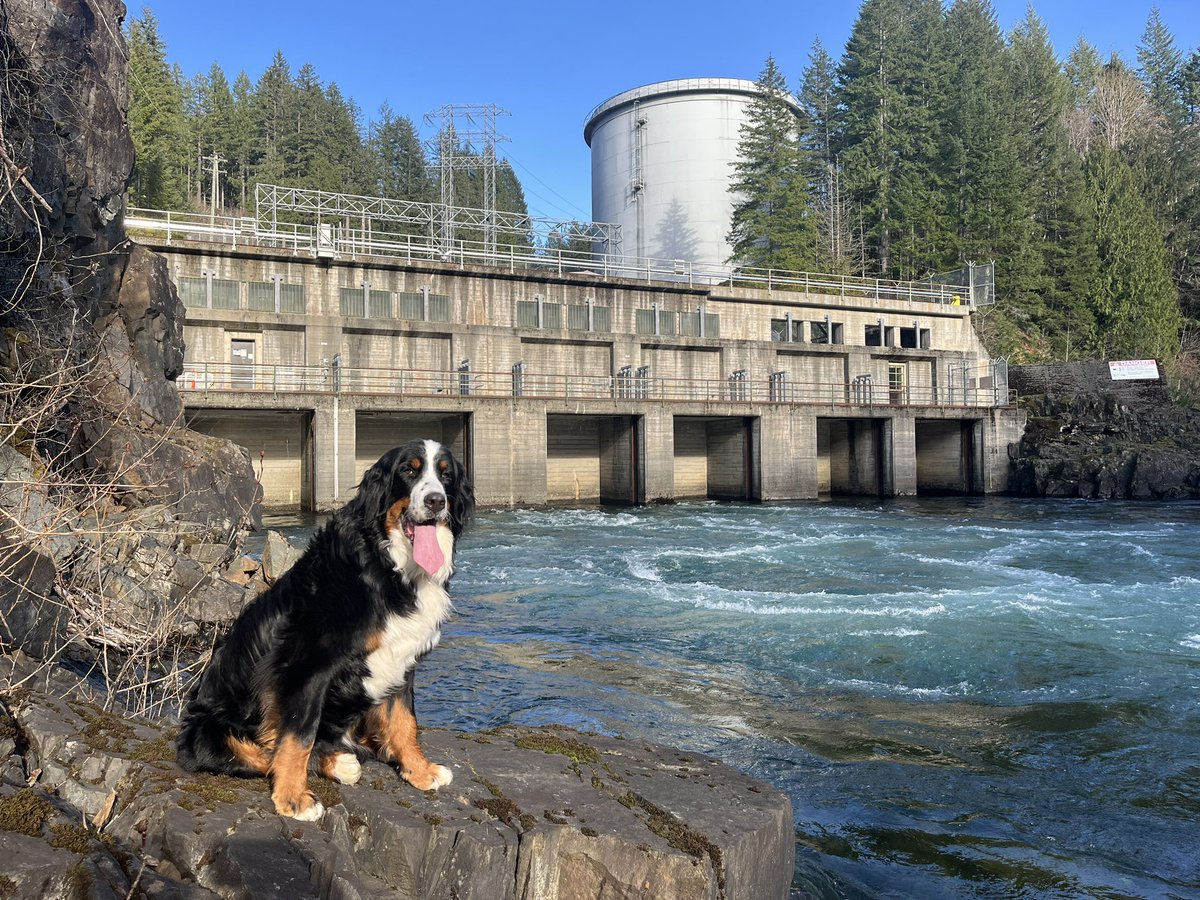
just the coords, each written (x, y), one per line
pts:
(341, 241)
(675, 87)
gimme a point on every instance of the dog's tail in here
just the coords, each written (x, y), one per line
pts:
(205, 745)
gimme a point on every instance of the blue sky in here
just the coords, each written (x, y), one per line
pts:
(549, 64)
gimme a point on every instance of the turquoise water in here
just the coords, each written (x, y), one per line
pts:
(962, 697)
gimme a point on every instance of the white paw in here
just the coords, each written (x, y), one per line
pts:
(441, 776)
(312, 814)
(346, 769)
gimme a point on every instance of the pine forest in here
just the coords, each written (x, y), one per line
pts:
(936, 139)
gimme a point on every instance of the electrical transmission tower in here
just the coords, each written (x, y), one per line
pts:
(466, 139)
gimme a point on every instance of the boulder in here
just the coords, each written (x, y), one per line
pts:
(279, 555)
(32, 618)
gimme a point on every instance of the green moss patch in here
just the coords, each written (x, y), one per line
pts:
(501, 807)
(25, 812)
(575, 750)
(75, 838)
(210, 790)
(102, 730)
(675, 833)
(161, 749)
(326, 792)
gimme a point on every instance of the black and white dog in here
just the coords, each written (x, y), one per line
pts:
(321, 664)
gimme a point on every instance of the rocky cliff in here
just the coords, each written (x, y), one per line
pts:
(91, 804)
(1089, 436)
(106, 501)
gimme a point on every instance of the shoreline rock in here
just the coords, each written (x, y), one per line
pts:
(1091, 437)
(546, 813)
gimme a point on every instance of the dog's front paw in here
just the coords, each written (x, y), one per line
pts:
(430, 778)
(307, 809)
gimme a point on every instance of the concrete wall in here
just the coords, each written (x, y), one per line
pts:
(572, 458)
(482, 324)
(691, 458)
(941, 465)
(729, 471)
(621, 455)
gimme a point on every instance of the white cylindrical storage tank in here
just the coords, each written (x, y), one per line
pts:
(662, 163)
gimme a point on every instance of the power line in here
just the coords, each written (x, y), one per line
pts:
(582, 213)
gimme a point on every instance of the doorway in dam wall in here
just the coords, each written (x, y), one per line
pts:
(851, 457)
(947, 457)
(375, 433)
(594, 459)
(280, 445)
(716, 457)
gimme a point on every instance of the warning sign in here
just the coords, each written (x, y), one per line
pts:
(1133, 370)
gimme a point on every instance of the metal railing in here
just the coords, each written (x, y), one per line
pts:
(971, 388)
(342, 240)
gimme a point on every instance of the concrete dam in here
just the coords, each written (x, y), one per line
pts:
(579, 386)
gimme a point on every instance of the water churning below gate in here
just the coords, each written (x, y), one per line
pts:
(963, 697)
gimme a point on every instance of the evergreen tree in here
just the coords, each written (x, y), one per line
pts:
(986, 201)
(1050, 279)
(1136, 301)
(303, 141)
(1161, 69)
(892, 82)
(1083, 68)
(347, 162)
(242, 138)
(401, 170)
(156, 120)
(273, 117)
(214, 128)
(1190, 79)
(837, 249)
(773, 225)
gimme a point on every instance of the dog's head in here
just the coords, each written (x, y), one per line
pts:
(422, 499)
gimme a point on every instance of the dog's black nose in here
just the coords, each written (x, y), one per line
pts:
(435, 503)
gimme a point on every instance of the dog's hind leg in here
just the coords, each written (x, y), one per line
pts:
(341, 766)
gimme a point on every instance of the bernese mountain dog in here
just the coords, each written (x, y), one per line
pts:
(320, 666)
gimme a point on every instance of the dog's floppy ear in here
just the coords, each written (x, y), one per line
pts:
(375, 489)
(462, 507)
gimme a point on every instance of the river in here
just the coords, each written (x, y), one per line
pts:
(962, 697)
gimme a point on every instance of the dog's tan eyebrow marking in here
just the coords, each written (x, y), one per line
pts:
(444, 464)
(416, 462)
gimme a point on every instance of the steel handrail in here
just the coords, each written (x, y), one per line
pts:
(356, 242)
(198, 377)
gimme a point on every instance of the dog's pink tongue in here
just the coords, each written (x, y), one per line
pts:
(427, 552)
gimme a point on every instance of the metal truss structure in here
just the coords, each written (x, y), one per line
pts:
(380, 214)
(466, 139)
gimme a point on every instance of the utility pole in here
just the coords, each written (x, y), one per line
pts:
(215, 161)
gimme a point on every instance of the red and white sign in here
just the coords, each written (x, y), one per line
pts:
(1133, 370)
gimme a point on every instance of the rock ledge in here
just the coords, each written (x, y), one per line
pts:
(532, 813)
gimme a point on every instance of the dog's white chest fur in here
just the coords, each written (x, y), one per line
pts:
(405, 639)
